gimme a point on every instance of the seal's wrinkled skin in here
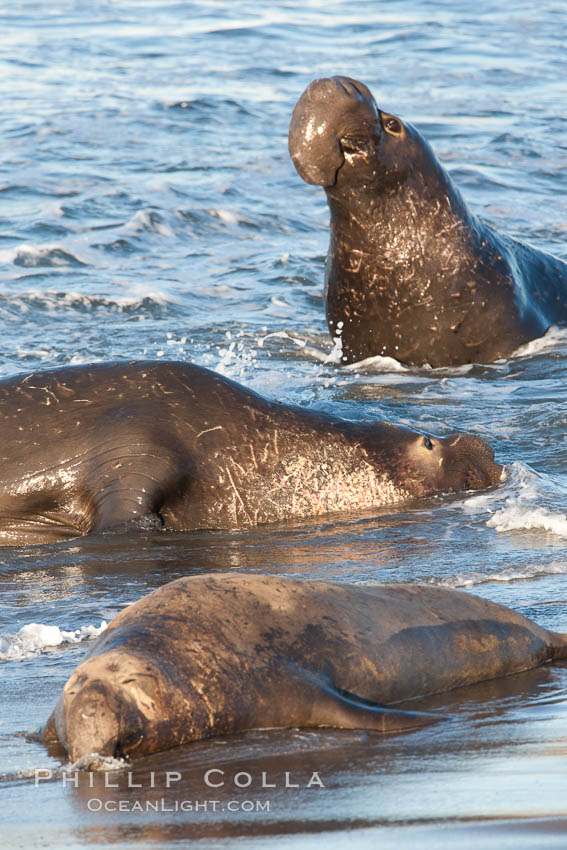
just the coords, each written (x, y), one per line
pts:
(212, 655)
(411, 272)
(90, 448)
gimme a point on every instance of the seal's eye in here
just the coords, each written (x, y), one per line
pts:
(427, 443)
(392, 125)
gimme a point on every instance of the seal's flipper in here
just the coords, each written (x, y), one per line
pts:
(120, 505)
(48, 732)
(128, 479)
(347, 711)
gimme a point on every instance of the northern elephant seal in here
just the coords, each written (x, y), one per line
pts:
(411, 272)
(89, 448)
(220, 653)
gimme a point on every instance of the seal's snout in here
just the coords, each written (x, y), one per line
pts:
(329, 108)
(313, 146)
(94, 714)
(353, 89)
(90, 720)
(475, 457)
(471, 443)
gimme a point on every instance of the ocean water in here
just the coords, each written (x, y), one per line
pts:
(149, 208)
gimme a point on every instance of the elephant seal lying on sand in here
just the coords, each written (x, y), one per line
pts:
(221, 653)
(89, 448)
(411, 272)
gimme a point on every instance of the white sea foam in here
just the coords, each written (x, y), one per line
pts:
(228, 216)
(279, 302)
(483, 502)
(46, 254)
(553, 337)
(90, 761)
(323, 355)
(53, 300)
(523, 504)
(300, 343)
(35, 638)
(236, 359)
(335, 354)
(149, 221)
(527, 571)
(95, 762)
(517, 517)
(377, 364)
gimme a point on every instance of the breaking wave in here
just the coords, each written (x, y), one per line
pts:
(36, 638)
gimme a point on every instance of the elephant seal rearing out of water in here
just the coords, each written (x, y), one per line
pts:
(411, 272)
(89, 448)
(221, 653)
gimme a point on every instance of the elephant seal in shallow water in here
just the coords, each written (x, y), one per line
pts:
(89, 448)
(215, 654)
(411, 272)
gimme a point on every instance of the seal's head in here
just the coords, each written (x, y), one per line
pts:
(338, 134)
(425, 465)
(458, 462)
(125, 698)
(102, 710)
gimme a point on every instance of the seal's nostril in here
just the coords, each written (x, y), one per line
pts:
(347, 86)
(342, 84)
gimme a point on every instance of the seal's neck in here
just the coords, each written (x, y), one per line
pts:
(410, 220)
(400, 252)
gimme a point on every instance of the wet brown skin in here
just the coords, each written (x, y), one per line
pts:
(411, 272)
(216, 654)
(90, 448)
